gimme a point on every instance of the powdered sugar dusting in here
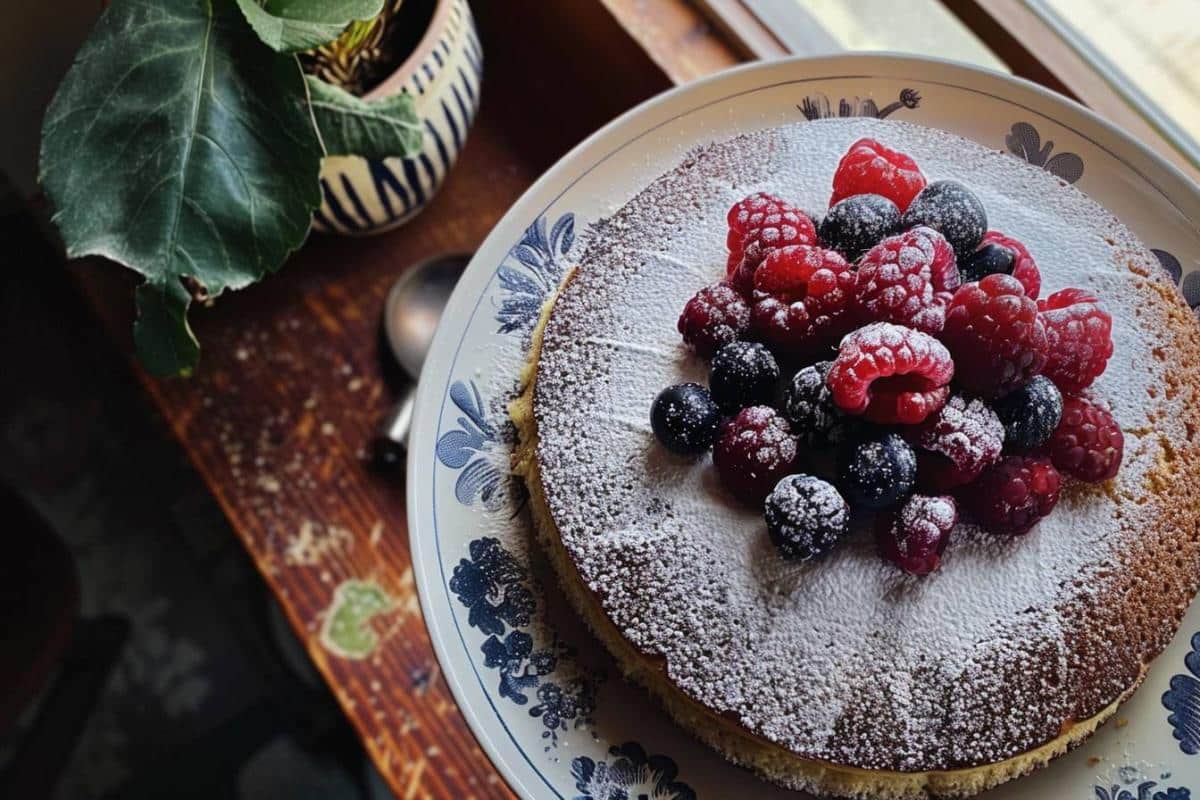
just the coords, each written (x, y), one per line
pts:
(967, 432)
(844, 659)
(927, 514)
(806, 516)
(809, 507)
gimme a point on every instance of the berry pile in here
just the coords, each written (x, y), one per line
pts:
(904, 338)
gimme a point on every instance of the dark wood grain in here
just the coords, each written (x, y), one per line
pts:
(292, 383)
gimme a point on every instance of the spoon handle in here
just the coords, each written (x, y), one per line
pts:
(390, 444)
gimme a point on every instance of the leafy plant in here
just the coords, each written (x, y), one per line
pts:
(360, 56)
(186, 142)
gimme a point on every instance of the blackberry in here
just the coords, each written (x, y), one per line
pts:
(952, 210)
(1030, 414)
(879, 471)
(685, 419)
(808, 405)
(742, 374)
(806, 517)
(858, 223)
(987, 260)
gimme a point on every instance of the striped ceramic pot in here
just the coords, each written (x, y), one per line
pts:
(364, 196)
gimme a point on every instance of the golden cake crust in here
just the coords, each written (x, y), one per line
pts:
(1108, 634)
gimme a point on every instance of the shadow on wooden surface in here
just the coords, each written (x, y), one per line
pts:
(291, 384)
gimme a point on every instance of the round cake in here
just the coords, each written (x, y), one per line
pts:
(843, 675)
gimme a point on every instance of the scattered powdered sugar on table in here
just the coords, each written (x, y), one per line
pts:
(844, 658)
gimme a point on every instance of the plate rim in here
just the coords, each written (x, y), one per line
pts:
(429, 399)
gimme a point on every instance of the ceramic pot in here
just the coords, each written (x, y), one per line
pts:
(443, 74)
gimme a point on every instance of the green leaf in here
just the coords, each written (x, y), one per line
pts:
(293, 26)
(180, 147)
(351, 126)
(161, 334)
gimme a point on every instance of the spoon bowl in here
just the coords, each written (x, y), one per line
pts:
(414, 305)
(411, 313)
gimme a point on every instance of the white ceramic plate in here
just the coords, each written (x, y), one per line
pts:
(536, 688)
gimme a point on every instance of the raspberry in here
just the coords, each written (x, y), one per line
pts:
(803, 300)
(742, 277)
(715, 316)
(755, 450)
(959, 442)
(915, 537)
(1088, 443)
(943, 269)
(996, 335)
(895, 281)
(1010, 497)
(1079, 335)
(759, 224)
(889, 373)
(1024, 268)
(750, 211)
(870, 168)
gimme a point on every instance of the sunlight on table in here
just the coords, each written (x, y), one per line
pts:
(1153, 42)
(922, 27)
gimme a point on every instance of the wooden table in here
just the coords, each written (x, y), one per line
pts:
(293, 377)
(293, 382)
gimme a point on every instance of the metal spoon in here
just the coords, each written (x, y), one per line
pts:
(410, 316)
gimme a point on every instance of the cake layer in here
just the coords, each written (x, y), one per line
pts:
(1014, 645)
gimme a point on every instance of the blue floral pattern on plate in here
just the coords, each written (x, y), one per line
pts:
(1133, 786)
(817, 106)
(1025, 142)
(1183, 701)
(466, 449)
(1142, 792)
(519, 664)
(532, 270)
(561, 707)
(629, 774)
(495, 588)
(491, 584)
